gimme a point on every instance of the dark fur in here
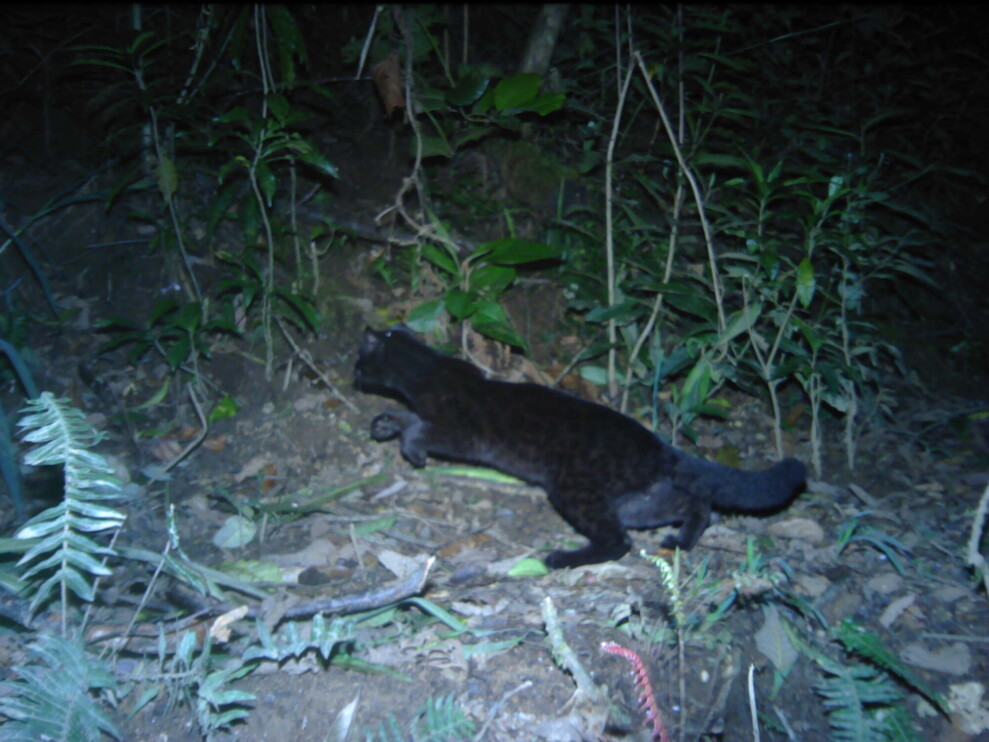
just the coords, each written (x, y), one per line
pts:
(603, 471)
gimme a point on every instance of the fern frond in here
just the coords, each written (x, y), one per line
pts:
(65, 436)
(289, 642)
(438, 720)
(867, 645)
(52, 698)
(849, 692)
(441, 719)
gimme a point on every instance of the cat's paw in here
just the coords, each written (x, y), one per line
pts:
(559, 559)
(590, 554)
(671, 542)
(385, 427)
(414, 455)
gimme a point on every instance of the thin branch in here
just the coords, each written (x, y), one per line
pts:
(694, 187)
(306, 358)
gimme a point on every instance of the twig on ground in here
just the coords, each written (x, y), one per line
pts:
(306, 358)
(974, 556)
(565, 656)
(497, 707)
(752, 705)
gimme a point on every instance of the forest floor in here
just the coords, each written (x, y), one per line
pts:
(882, 545)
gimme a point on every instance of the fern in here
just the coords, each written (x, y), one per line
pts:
(187, 674)
(69, 555)
(863, 702)
(866, 644)
(439, 720)
(289, 642)
(52, 699)
(850, 695)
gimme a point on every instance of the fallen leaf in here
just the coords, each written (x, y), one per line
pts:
(220, 628)
(798, 529)
(399, 564)
(216, 443)
(387, 75)
(236, 531)
(953, 660)
(251, 468)
(773, 642)
(896, 609)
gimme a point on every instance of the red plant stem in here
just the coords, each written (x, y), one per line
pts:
(647, 699)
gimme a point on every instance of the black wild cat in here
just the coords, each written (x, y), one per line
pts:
(603, 471)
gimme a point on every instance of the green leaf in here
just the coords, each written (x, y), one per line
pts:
(740, 322)
(499, 331)
(517, 250)
(289, 43)
(544, 104)
(302, 307)
(490, 311)
(179, 352)
(236, 531)
(235, 115)
(697, 383)
(188, 317)
(528, 567)
(225, 408)
(491, 280)
(424, 317)
(458, 304)
(162, 308)
(597, 375)
(469, 88)
(475, 472)
(814, 339)
(266, 182)
(438, 257)
(516, 90)
(158, 396)
(280, 107)
(472, 134)
(168, 179)
(806, 282)
(436, 146)
(373, 526)
(623, 313)
(318, 161)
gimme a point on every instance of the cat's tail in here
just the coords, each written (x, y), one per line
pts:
(735, 489)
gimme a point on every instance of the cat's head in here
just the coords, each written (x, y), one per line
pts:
(388, 359)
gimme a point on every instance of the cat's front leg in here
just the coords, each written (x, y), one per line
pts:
(409, 426)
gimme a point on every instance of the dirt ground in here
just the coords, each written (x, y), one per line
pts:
(917, 482)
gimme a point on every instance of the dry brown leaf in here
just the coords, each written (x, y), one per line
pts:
(216, 443)
(220, 629)
(799, 529)
(251, 468)
(270, 479)
(473, 541)
(387, 76)
(165, 450)
(188, 433)
(955, 659)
